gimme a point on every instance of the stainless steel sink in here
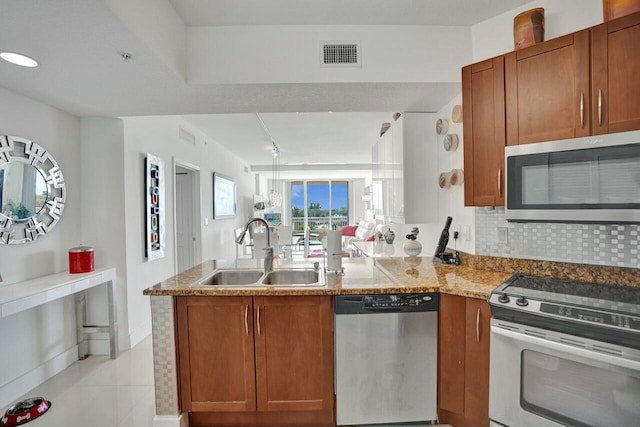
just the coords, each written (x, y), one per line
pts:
(293, 277)
(232, 278)
(244, 278)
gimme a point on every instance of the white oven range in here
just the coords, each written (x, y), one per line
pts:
(564, 353)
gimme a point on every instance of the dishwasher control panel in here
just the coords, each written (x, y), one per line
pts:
(385, 303)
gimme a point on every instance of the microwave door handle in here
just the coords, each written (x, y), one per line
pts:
(586, 354)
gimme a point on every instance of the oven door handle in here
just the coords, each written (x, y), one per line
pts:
(564, 348)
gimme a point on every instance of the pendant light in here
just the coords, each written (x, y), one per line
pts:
(275, 197)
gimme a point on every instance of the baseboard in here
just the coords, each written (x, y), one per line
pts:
(100, 347)
(181, 420)
(12, 390)
(139, 334)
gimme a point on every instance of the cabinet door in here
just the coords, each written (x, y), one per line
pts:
(294, 353)
(451, 366)
(484, 132)
(547, 90)
(478, 317)
(615, 67)
(463, 361)
(216, 354)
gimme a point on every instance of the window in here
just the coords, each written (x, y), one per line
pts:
(319, 204)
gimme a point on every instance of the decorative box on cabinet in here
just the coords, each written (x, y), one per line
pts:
(463, 361)
(484, 132)
(256, 360)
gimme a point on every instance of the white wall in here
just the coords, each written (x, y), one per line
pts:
(103, 225)
(494, 36)
(291, 53)
(451, 200)
(35, 337)
(159, 136)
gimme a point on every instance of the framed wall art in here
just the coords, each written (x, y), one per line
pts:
(154, 207)
(224, 196)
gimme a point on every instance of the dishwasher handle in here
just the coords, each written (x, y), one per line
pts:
(386, 303)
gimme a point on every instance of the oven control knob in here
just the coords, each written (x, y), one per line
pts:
(522, 302)
(504, 298)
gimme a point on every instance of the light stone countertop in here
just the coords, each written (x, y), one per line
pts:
(361, 276)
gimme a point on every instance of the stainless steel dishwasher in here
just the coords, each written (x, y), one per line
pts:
(386, 358)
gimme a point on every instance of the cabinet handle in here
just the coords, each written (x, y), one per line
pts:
(258, 320)
(600, 107)
(499, 182)
(478, 326)
(582, 109)
(246, 319)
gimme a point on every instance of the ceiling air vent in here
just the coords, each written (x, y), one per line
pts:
(340, 54)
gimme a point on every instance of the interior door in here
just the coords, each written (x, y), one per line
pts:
(185, 239)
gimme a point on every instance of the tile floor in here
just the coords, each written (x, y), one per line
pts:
(101, 392)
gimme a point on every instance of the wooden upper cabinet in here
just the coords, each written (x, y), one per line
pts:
(216, 354)
(615, 68)
(294, 353)
(547, 90)
(484, 132)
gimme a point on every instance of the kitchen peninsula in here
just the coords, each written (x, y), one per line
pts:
(277, 342)
(272, 347)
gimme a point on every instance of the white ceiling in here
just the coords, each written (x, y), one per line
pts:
(341, 12)
(77, 43)
(307, 138)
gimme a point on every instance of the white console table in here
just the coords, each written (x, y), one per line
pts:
(31, 293)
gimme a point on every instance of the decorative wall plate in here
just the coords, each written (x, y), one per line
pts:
(456, 114)
(450, 142)
(442, 125)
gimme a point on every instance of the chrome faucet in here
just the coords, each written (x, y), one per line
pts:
(268, 257)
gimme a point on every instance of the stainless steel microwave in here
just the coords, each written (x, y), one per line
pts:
(594, 179)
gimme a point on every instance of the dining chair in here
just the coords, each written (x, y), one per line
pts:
(259, 244)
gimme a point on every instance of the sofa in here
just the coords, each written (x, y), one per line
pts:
(362, 232)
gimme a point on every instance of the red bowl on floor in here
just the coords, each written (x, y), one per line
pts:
(25, 411)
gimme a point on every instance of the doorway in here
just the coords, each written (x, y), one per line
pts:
(187, 216)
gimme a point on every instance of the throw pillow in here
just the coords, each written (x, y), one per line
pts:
(349, 230)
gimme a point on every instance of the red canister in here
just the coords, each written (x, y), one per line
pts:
(81, 259)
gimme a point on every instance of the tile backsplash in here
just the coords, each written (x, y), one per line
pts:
(600, 244)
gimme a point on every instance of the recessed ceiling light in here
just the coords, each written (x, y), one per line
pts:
(18, 59)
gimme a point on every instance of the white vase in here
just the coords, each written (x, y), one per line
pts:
(412, 247)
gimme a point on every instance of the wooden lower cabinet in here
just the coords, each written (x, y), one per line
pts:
(256, 361)
(463, 361)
